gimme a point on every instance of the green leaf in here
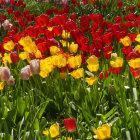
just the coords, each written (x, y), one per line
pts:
(36, 124)
(20, 105)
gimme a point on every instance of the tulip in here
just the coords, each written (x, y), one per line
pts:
(11, 81)
(25, 73)
(70, 124)
(35, 66)
(103, 132)
(14, 57)
(4, 73)
(6, 25)
(54, 130)
(79, 73)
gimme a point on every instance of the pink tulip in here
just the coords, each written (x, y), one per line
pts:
(25, 73)
(35, 66)
(4, 73)
(11, 81)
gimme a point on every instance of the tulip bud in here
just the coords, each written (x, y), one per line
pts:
(113, 56)
(25, 73)
(11, 81)
(14, 57)
(70, 124)
(4, 73)
(35, 66)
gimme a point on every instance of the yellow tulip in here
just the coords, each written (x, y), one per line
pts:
(45, 67)
(9, 46)
(6, 59)
(38, 54)
(31, 48)
(25, 41)
(46, 132)
(92, 80)
(134, 63)
(2, 85)
(75, 61)
(117, 63)
(103, 132)
(54, 50)
(126, 41)
(137, 48)
(73, 47)
(59, 60)
(92, 60)
(137, 38)
(65, 34)
(54, 130)
(79, 73)
(93, 68)
(24, 55)
(65, 43)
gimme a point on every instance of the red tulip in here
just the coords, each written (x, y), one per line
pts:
(42, 20)
(70, 124)
(14, 57)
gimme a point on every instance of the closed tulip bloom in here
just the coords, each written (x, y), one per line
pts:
(70, 124)
(14, 57)
(35, 66)
(11, 81)
(73, 48)
(25, 73)
(4, 73)
(54, 130)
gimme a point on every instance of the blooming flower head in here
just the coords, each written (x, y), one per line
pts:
(126, 41)
(103, 132)
(79, 73)
(118, 62)
(70, 124)
(59, 60)
(137, 38)
(46, 67)
(54, 130)
(9, 46)
(137, 48)
(54, 50)
(134, 63)
(91, 80)
(75, 61)
(93, 64)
